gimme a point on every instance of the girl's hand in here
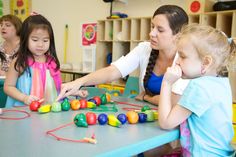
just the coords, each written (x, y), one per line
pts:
(29, 98)
(140, 96)
(172, 74)
(70, 88)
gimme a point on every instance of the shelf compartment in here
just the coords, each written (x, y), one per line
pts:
(117, 25)
(101, 30)
(209, 19)
(103, 48)
(233, 30)
(126, 29)
(224, 22)
(145, 28)
(120, 49)
(194, 18)
(108, 30)
(135, 29)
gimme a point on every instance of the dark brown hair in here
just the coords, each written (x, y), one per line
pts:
(176, 17)
(31, 23)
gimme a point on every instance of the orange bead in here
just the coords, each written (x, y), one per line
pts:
(132, 117)
(75, 104)
(108, 96)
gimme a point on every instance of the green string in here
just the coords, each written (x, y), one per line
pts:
(111, 107)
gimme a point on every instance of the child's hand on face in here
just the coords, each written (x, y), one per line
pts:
(83, 93)
(29, 98)
(172, 74)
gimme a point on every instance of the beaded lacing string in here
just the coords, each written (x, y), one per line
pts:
(15, 118)
(84, 140)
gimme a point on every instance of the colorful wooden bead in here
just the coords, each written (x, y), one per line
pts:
(102, 119)
(142, 117)
(65, 105)
(144, 108)
(132, 117)
(122, 118)
(34, 106)
(83, 103)
(56, 107)
(90, 104)
(150, 115)
(98, 100)
(91, 118)
(113, 121)
(80, 120)
(75, 104)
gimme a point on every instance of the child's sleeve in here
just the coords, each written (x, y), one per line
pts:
(179, 86)
(195, 98)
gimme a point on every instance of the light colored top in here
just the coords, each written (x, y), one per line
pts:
(208, 131)
(41, 80)
(138, 58)
(9, 57)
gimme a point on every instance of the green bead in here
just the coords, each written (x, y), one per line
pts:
(56, 107)
(80, 120)
(145, 108)
(150, 115)
(65, 105)
(104, 99)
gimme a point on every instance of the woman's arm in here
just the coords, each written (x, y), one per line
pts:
(151, 99)
(103, 75)
(155, 99)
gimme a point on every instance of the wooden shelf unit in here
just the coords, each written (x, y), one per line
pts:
(119, 36)
(222, 20)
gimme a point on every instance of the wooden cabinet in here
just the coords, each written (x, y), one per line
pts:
(222, 20)
(119, 36)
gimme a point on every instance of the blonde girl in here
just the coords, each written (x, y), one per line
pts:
(204, 110)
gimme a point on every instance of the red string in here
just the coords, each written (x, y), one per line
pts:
(20, 106)
(85, 140)
(135, 105)
(13, 118)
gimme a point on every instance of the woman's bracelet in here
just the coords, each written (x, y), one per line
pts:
(144, 96)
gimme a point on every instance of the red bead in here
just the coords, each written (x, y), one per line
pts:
(91, 118)
(34, 106)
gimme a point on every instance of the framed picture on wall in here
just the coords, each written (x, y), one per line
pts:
(89, 34)
(21, 8)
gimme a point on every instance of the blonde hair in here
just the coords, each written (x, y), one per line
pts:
(209, 41)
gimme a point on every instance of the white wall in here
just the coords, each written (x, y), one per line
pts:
(76, 12)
